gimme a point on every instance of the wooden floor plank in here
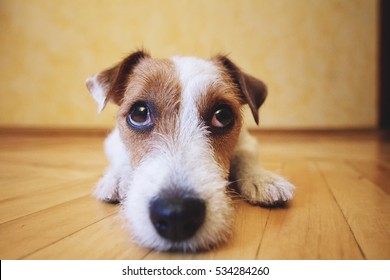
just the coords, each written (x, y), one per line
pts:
(57, 158)
(312, 226)
(25, 180)
(321, 147)
(22, 237)
(106, 239)
(376, 171)
(73, 153)
(57, 193)
(12, 174)
(365, 206)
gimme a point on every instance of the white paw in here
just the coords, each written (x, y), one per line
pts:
(113, 186)
(266, 188)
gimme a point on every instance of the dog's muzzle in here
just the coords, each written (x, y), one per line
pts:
(175, 216)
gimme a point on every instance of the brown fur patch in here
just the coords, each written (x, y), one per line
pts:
(115, 79)
(155, 82)
(252, 91)
(222, 91)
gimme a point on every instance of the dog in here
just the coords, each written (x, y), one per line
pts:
(179, 146)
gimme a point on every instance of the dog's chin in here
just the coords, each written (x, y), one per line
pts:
(194, 245)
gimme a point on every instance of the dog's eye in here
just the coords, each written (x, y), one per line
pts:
(140, 116)
(223, 117)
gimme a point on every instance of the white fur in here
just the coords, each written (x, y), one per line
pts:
(195, 76)
(117, 178)
(98, 92)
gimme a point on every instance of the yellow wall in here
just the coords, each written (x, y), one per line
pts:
(319, 58)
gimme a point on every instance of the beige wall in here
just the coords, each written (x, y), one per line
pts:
(318, 57)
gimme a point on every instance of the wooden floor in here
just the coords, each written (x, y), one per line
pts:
(341, 209)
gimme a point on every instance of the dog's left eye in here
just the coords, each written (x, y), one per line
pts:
(139, 116)
(223, 117)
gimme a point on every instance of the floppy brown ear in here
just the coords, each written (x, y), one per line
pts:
(109, 85)
(253, 90)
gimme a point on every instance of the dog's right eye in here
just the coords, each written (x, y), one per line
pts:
(223, 117)
(140, 117)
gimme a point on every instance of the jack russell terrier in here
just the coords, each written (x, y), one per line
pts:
(178, 145)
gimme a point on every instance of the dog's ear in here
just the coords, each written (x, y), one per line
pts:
(253, 91)
(110, 84)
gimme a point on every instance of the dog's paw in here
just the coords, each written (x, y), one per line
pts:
(266, 189)
(112, 187)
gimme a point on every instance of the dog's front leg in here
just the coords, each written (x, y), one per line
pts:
(255, 184)
(113, 186)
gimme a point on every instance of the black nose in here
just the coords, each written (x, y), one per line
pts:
(177, 219)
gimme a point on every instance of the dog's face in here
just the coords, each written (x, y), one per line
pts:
(179, 120)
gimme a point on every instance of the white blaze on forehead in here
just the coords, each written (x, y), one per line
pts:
(195, 76)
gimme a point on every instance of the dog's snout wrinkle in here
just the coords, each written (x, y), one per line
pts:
(177, 218)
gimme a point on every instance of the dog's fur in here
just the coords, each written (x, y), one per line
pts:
(183, 153)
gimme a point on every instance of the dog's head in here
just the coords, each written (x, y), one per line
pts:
(179, 119)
